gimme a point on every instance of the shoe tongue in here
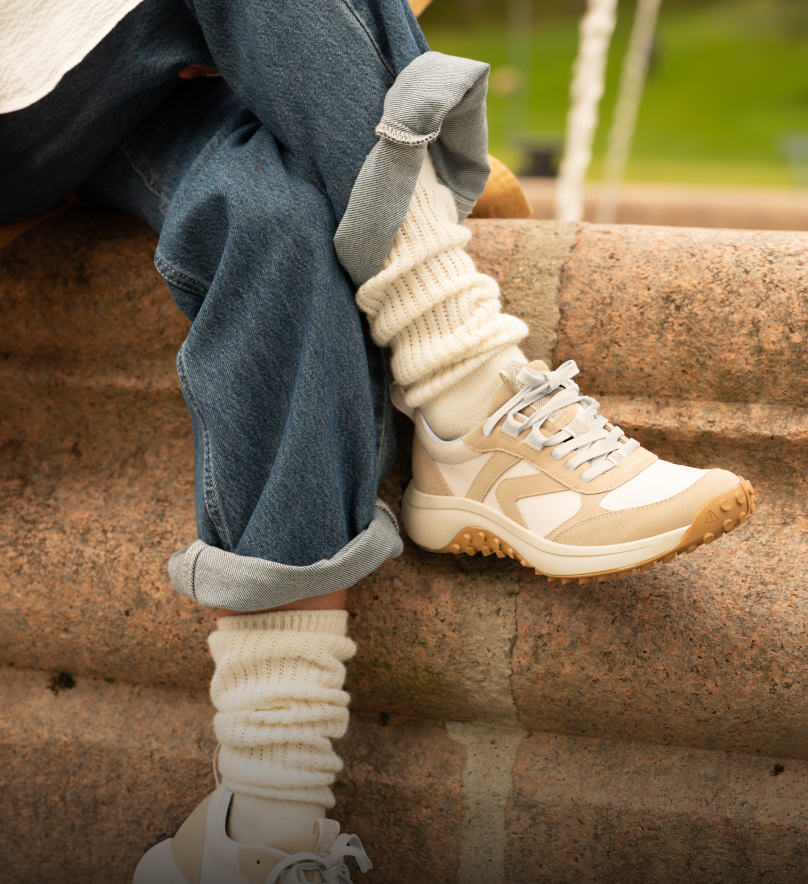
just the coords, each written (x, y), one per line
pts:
(327, 832)
(511, 384)
(566, 418)
(512, 369)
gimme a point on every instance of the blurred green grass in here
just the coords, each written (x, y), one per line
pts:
(729, 84)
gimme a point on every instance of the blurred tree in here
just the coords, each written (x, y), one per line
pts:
(794, 15)
(466, 12)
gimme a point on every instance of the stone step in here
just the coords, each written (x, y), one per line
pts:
(97, 501)
(661, 312)
(80, 292)
(638, 814)
(687, 678)
(96, 772)
(706, 651)
(723, 313)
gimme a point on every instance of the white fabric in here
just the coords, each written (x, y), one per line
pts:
(518, 470)
(430, 304)
(655, 483)
(543, 513)
(41, 40)
(277, 689)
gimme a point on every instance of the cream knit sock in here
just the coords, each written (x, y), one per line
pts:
(439, 314)
(277, 688)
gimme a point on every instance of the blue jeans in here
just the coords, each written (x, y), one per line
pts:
(276, 189)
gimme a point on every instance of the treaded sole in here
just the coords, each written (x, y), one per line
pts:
(718, 516)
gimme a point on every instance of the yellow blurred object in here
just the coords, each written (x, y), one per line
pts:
(503, 196)
(418, 6)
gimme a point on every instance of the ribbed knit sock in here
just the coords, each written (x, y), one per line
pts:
(277, 689)
(439, 314)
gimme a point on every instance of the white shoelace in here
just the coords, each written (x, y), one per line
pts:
(332, 869)
(594, 445)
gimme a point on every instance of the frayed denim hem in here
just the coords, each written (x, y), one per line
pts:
(437, 103)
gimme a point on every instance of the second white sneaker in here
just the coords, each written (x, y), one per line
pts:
(202, 853)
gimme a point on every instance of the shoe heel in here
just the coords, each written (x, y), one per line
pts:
(432, 528)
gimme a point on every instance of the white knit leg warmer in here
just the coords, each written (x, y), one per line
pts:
(439, 314)
(277, 688)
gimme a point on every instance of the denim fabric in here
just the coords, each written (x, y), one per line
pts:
(246, 178)
(438, 104)
(48, 149)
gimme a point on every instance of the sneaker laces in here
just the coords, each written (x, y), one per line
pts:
(332, 869)
(598, 443)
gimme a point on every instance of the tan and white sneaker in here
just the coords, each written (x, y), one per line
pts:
(548, 481)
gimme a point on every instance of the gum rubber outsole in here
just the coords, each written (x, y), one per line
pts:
(718, 516)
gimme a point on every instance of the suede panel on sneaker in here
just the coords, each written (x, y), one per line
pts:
(425, 472)
(623, 526)
(186, 845)
(543, 460)
(494, 467)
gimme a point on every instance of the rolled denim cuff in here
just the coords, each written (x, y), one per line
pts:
(437, 103)
(222, 579)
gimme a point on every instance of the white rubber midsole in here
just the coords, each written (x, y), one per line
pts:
(433, 521)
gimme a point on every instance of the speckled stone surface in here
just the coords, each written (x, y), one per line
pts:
(97, 773)
(531, 276)
(688, 314)
(709, 650)
(82, 288)
(88, 530)
(589, 811)
(434, 635)
(400, 792)
(527, 259)
(96, 476)
(705, 652)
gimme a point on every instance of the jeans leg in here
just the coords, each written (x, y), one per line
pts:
(287, 393)
(350, 89)
(315, 72)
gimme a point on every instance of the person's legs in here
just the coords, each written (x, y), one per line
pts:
(246, 224)
(292, 426)
(247, 202)
(291, 418)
